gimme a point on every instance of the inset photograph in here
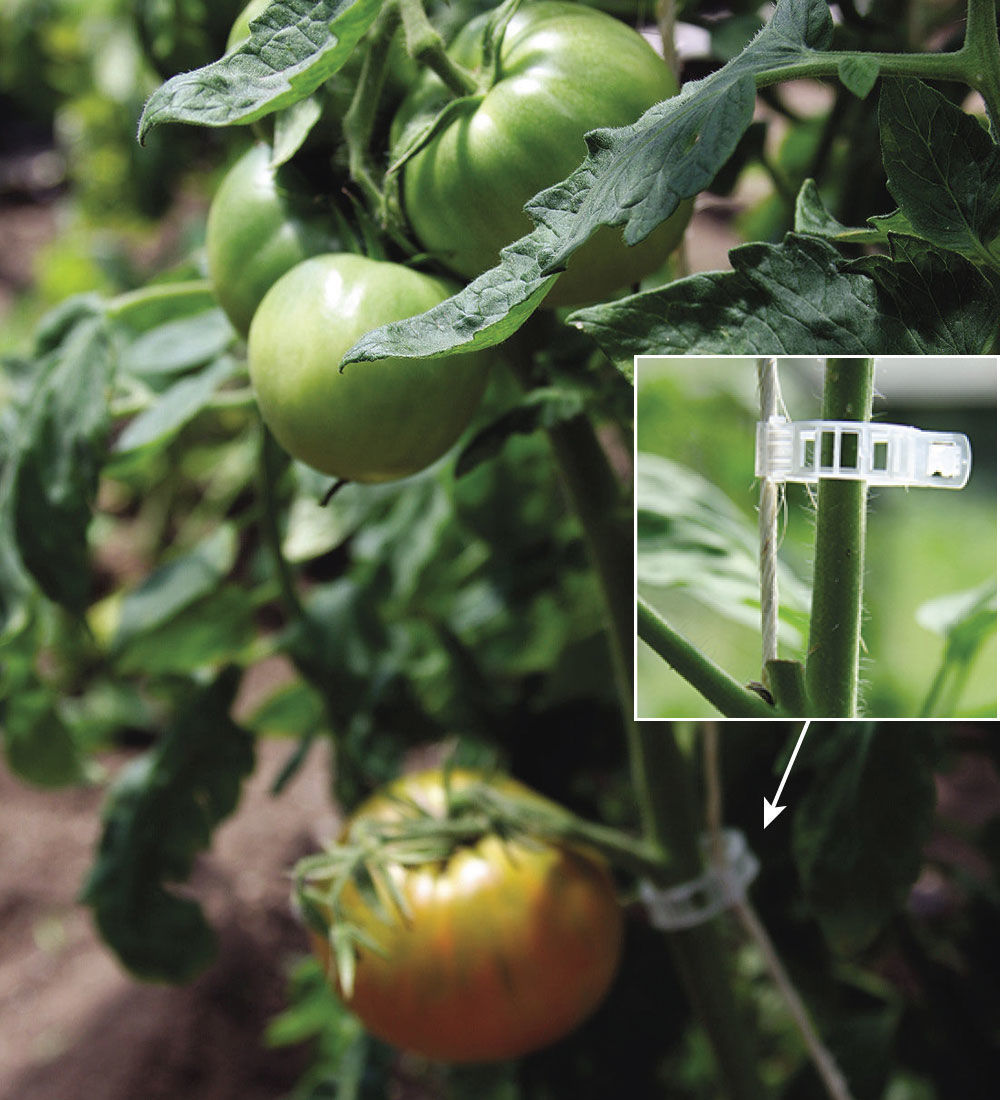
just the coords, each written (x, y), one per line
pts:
(816, 537)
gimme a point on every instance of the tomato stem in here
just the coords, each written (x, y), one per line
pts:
(426, 47)
(661, 774)
(715, 684)
(838, 570)
(787, 681)
(269, 455)
(359, 119)
(930, 66)
(982, 48)
(666, 22)
(307, 654)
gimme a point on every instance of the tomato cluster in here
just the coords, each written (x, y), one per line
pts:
(280, 267)
(563, 70)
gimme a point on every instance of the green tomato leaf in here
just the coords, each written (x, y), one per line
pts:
(16, 584)
(161, 813)
(858, 74)
(295, 710)
(175, 586)
(294, 46)
(207, 633)
(312, 528)
(966, 619)
(56, 459)
(802, 298)
(634, 177)
(292, 126)
(943, 169)
(540, 409)
(176, 406)
(178, 345)
(948, 305)
(859, 831)
(779, 298)
(690, 535)
(812, 217)
(142, 310)
(57, 325)
(37, 743)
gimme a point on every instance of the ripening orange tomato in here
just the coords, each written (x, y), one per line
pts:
(509, 944)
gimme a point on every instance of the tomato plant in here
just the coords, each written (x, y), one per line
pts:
(562, 71)
(371, 423)
(496, 946)
(180, 589)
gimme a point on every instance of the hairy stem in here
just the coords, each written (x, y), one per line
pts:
(726, 693)
(839, 559)
(924, 66)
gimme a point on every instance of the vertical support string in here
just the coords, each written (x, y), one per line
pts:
(767, 384)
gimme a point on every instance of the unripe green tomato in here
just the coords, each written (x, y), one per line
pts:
(373, 421)
(565, 69)
(261, 223)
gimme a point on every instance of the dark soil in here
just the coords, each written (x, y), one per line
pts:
(74, 1024)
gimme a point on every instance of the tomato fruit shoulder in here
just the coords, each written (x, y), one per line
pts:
(564, 69)
(508, 944)
(370, 422)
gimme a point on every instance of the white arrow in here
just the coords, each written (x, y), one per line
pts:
(772, 809)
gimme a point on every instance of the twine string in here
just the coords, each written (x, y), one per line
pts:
(770, 402)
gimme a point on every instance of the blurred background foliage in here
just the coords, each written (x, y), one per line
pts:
(84, 206)
(922, 544)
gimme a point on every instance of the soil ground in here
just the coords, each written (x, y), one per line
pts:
(73, 1024)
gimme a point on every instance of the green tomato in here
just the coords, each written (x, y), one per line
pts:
(370, 422)
(262, 222)
(564, 69)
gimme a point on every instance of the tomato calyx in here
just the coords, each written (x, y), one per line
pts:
(443, 103)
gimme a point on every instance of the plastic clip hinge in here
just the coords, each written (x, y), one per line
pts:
(853, 450)
(702, 899)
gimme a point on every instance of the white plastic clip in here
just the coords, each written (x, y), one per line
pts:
(693, 903)
(852, 450)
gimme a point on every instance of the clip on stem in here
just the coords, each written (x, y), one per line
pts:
(702, 899)
(853, 450)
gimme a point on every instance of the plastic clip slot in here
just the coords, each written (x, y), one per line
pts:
(702, 899)
(852, 450)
